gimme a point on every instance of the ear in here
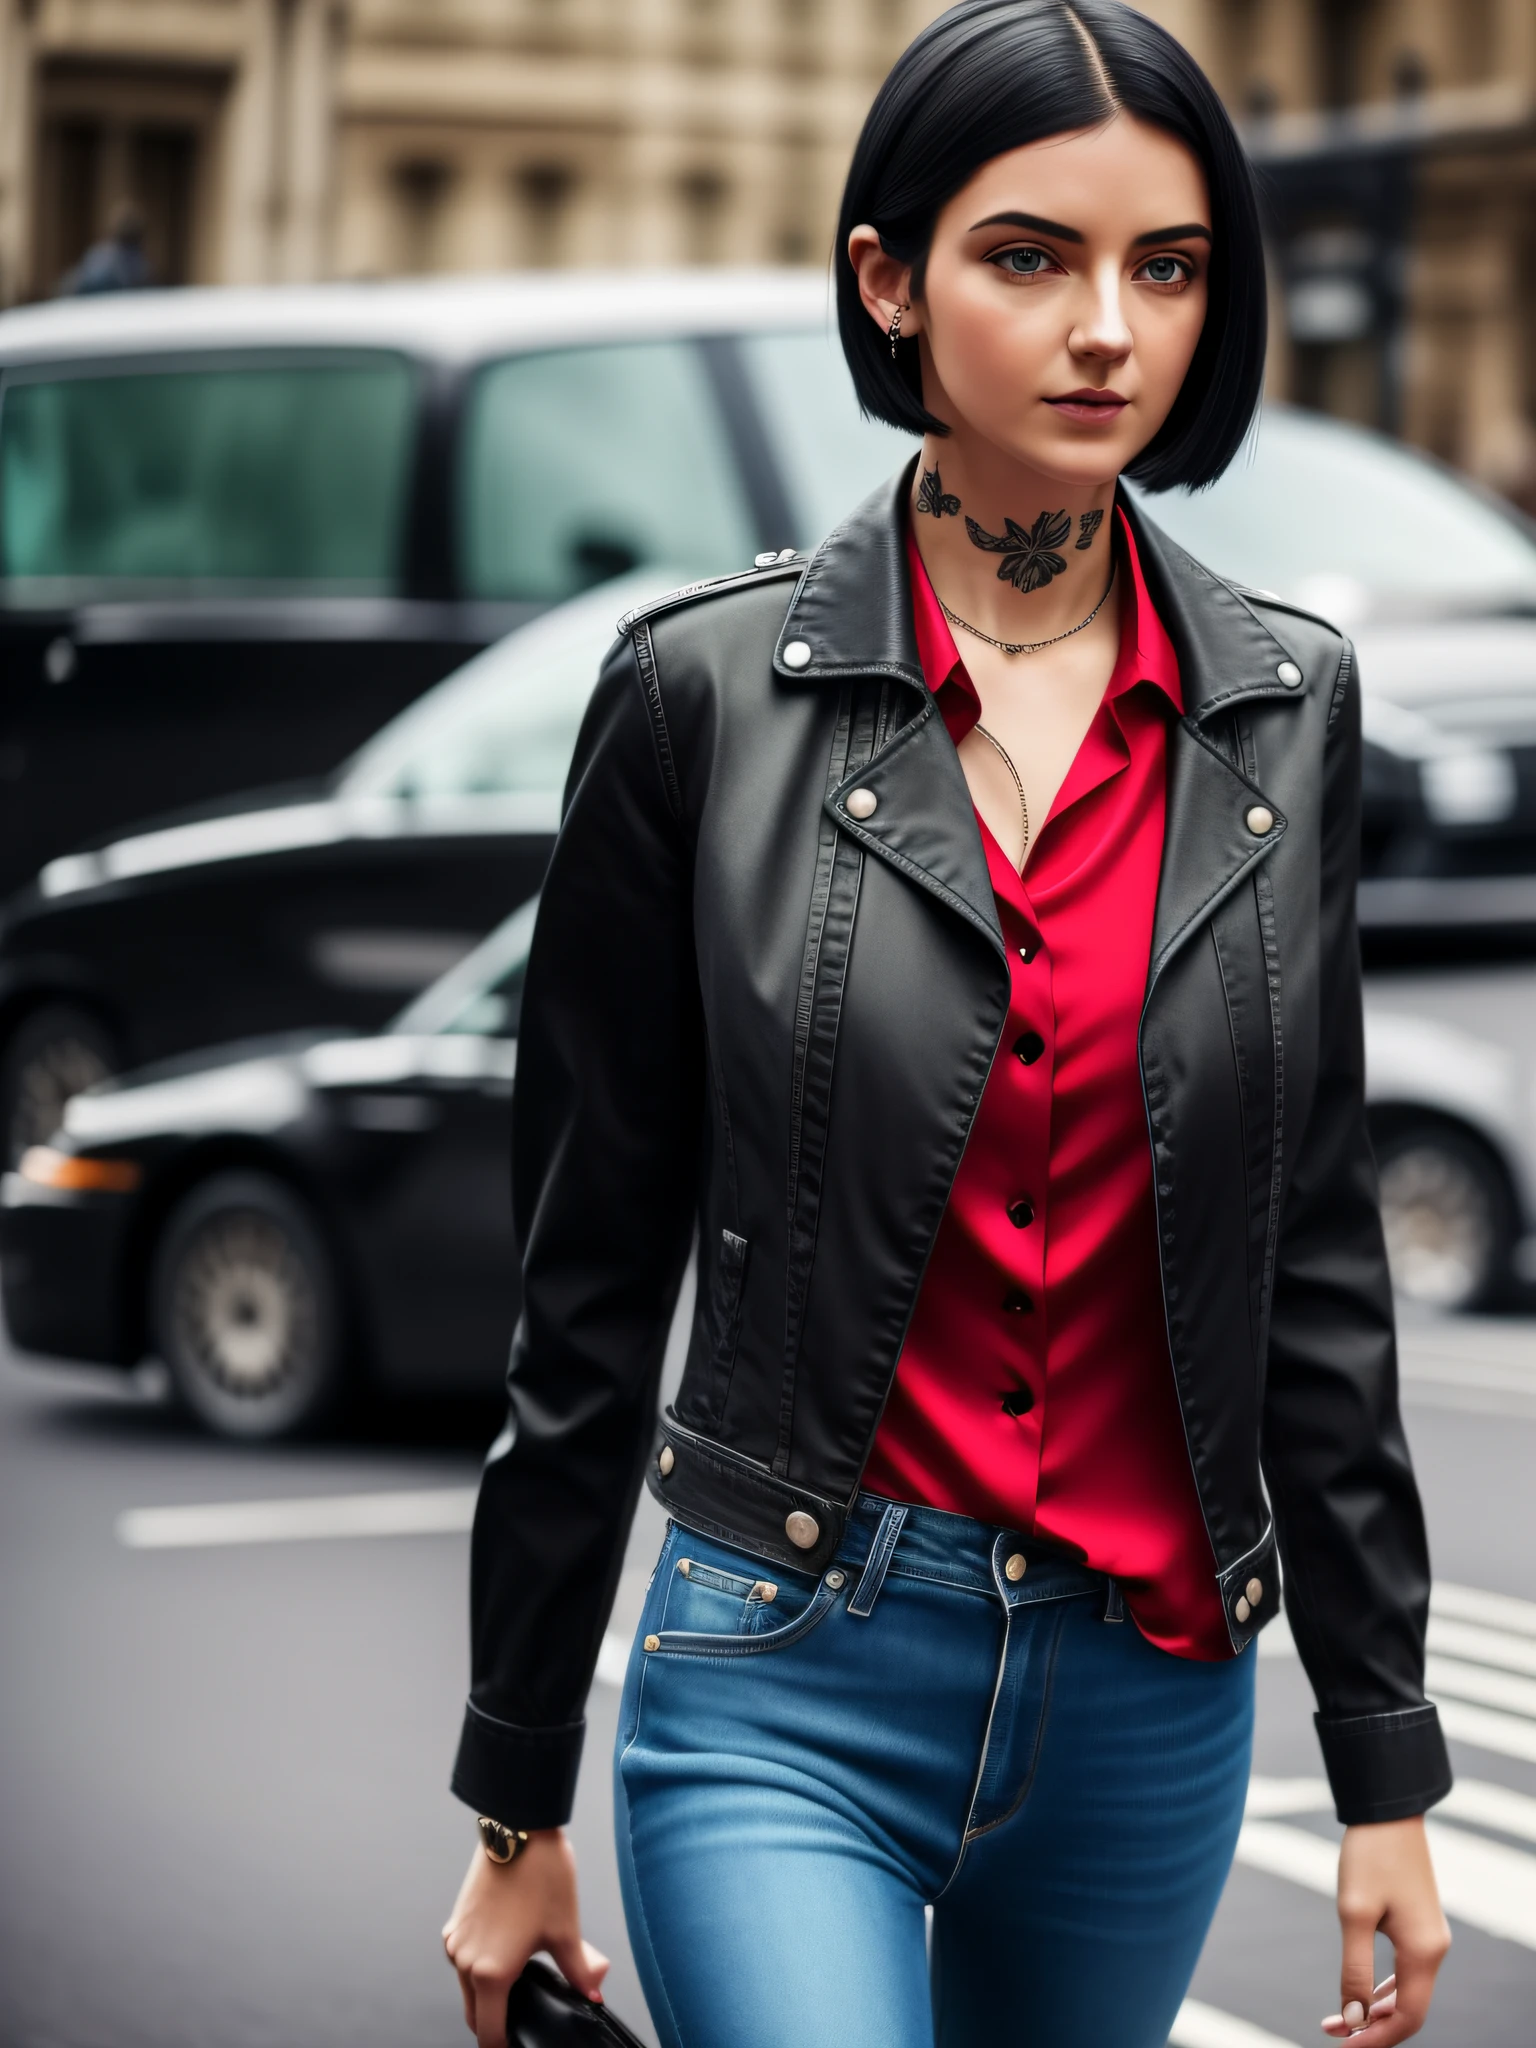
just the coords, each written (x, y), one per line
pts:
(885, 282)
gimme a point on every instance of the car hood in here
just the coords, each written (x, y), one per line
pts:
(262, 1085)
(298, 818)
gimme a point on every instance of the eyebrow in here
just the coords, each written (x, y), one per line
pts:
(1063, 233)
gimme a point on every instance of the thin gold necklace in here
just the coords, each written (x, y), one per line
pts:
(993, 740)
(1028, 646)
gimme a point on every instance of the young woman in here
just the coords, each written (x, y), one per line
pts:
(957, 929)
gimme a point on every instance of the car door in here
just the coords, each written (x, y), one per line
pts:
(212, 575)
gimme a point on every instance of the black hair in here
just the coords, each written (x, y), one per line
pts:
(992, 75)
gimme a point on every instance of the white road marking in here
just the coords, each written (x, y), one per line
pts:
(1504, 1734)
(1482, 1645)
(1494, 1610)
(1487, 1884)
(1501, 1689)
(436, 1511)
(1202, 2026)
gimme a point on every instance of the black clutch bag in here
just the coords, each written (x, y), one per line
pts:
(544, 2012)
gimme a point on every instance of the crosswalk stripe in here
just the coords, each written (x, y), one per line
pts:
(1205, 2026)
(1487, 1884)
(1481, 1645)
(1504, 1734)
(1496, 1610)
(1477, 1682)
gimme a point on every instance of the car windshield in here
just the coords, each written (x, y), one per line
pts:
(1351, 525)
(180, 479)
(504, 724)
(483, 993)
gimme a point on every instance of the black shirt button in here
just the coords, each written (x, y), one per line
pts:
(1019, 1402)
(1018, 1303)
(1028, 950)
(1021, 1213)
(1029, 1047)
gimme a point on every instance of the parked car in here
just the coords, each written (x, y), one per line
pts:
(279, 1218)
(239, 530)
(323, 904)
(1453, 1118)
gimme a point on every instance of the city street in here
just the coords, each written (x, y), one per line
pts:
(227, 1732)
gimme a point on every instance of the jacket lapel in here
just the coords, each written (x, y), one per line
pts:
(850, 618)
(1227, 657)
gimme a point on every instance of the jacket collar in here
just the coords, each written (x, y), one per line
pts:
(853, 611)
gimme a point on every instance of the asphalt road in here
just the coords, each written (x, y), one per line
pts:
(224, 1744)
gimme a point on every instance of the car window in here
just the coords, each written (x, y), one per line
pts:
(1349, 524)
(272, 475)
(505, 723)
(831, 455)
(582, 465)
(484, 992)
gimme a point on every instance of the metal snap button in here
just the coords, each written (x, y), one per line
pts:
(862, 803)
(1255, 1590)
(1289, 674)
(1260, 820)
(666, 1461)
(767, 560)
(835, 1581)
(787, 554)
(796, 654)
(1016, 1567)
(803, 1530)
(653, 1642)
(685, 1565)
(1242, 1610)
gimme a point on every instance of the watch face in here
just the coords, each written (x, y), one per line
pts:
(499, 1843)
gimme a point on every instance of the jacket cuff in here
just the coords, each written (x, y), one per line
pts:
(523, 1777)
(1384, 1766)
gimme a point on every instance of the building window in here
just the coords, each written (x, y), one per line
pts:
(703, 194)
(545, 190)
(1342, 30)
(421, 188)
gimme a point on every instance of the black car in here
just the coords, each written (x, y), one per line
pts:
(325, 904)
(279, 1217)
(241, 529)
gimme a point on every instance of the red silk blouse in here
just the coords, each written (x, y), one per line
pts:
(1035, 1389)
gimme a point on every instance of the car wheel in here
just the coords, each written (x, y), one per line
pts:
(245, 1309)
(54, 1053)
(1449, 1222)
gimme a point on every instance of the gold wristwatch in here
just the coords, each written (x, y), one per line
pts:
(502, 1845)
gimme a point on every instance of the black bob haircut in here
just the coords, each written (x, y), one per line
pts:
(992, 75)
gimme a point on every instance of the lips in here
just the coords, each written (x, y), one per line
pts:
(1097, 408)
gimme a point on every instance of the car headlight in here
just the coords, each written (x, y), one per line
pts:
(1469, 786)
(78, 1172)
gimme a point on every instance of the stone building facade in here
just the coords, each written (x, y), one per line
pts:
(271, 140)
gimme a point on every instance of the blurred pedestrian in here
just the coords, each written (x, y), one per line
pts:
(957, 930)
(117, 262)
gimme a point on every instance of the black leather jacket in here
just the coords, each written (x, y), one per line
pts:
(750, 1009)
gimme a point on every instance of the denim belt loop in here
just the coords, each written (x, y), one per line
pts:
(1114, 1603)
(878, 1563)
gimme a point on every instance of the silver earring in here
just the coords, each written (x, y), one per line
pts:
(893, 333)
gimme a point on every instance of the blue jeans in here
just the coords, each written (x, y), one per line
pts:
(805, 1763)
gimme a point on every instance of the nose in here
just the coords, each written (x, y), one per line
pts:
(1101, 330)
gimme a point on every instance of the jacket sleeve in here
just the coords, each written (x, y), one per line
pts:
(606, 1121)
(1349, 1522)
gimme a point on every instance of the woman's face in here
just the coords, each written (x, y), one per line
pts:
(1064, 295)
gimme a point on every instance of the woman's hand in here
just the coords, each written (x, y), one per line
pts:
(507, 1912)
(1387, 1881)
